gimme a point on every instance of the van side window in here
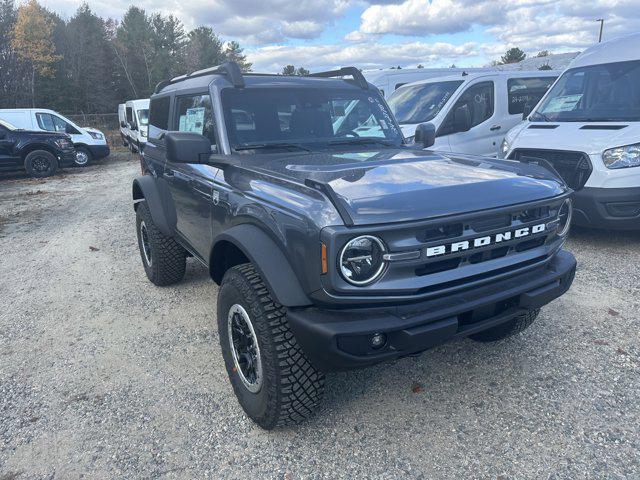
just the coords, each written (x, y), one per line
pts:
(130, 115)
(195, 114)
(53, 123)
(526, 91)
(479, 99)
(158, 116)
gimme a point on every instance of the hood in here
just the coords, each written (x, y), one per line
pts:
(90, 129)
(402, 184)
(573, 136)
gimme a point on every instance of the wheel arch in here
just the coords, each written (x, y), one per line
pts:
(248, 243)
(32, 147)
(155, 194)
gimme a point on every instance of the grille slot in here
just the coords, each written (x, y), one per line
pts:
(574, 167)
(440, 232)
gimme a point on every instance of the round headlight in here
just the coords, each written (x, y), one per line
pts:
(564, 217)
(361, 260)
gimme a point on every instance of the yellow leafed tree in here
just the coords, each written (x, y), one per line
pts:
(33, 41)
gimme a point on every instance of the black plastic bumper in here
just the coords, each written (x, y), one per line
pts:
(341, 339)
(610, 208)
(99, 151)
(67, 158)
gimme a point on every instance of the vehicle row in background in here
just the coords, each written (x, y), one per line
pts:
(470, 112)
(587, 129)
(39, 153)
(90, 144)
(133, 117)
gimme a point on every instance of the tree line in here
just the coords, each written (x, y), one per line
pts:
(87, 64)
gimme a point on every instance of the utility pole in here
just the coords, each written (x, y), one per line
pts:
(601, 20)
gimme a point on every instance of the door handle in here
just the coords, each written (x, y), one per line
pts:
(495, 127)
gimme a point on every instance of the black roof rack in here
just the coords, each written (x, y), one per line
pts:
(230, 69)
(345, 71)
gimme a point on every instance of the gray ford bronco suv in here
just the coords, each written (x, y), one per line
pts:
(335, 244)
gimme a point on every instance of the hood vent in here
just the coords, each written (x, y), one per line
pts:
(543, 127)
(603, 127)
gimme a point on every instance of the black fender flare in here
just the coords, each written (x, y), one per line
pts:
(156, 193)
(270, 261)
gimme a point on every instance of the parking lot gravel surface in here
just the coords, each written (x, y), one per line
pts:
(103, 375)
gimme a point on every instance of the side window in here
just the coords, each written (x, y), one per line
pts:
(53, 123)
(526, 91)
(479, 99)
(130, 115)
(195, 114)
(158, 116)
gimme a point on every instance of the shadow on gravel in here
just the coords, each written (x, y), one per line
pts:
(606, 236)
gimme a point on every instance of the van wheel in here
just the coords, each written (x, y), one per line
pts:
(163, 259)
(271, 376)
(504, 330)
(40, 164)
(83, 157)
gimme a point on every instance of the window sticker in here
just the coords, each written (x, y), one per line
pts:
(193, 120)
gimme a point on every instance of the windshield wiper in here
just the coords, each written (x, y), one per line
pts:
(543, 117)
(363, 141)
(265, 146)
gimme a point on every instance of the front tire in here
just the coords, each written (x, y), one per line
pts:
(163, 259)
(271, 376)
(83, 157)
(40, 164)
(507, 329)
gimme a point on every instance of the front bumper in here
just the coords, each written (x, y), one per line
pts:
(610, 208)
(99, 151)
(340, 339)
(67, 158)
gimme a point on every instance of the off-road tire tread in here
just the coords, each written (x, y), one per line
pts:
(296, 386)
(170, 259)
(507, 329)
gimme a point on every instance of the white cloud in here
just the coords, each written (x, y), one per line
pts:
(364, 55)
(427, 17)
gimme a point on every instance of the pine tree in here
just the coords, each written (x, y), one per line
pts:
(203, 49)
(513, 55)
(233, 53)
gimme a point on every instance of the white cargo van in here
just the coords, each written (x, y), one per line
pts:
(122, 121)
(390, 80)
(588, 128)
(470, 112)
(90, 144)
(137, 122)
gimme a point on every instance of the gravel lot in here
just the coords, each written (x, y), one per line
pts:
(103, 375)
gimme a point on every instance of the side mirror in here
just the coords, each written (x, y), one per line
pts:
(187, 147)
(526, 111)
(426, 134)
(462, 119)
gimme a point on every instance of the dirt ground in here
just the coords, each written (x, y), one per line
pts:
(103, 375)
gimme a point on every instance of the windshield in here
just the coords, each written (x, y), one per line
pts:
(599, 93)
(268, 116)
(143, 117)
(421, 103)
(7, 125)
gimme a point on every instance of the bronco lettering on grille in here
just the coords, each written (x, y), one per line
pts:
(484, 241)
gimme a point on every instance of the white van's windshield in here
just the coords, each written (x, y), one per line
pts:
(143, 117)
(421, 103)
(598, 93)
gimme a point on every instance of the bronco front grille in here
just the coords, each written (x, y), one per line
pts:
(574, 167)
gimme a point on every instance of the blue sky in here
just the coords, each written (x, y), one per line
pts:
(383, 33)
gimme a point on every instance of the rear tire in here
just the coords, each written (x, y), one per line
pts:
(40, 164)
(507, 329)
(271, 376)
(163, 259)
